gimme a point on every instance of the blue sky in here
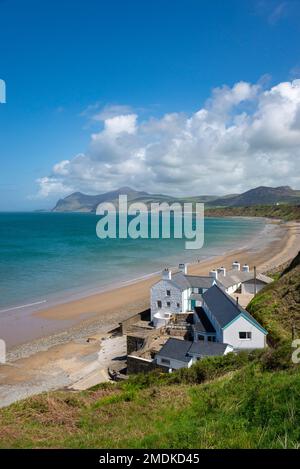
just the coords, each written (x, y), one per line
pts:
(74, 68)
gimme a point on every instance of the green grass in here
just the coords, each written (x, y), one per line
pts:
(246, 408)
(277, 306)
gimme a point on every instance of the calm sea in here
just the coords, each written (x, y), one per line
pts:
(44, 255)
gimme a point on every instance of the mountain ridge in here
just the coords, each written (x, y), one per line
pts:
(261, 195)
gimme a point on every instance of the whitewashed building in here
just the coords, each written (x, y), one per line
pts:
(241, 279)
(232, 323)
(218, 319)
(177, 293)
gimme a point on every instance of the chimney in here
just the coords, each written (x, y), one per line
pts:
(222, 271)
(237, 300)
(183, 268)
(245, 268)
(236, 265)
(213, 273)
(166, 274)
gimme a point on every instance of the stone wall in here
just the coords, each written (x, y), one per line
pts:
(141, 316)
(142, 365)
(134, 343)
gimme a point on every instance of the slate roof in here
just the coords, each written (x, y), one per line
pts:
(224, 308)
(233, 277)
(182, 350)
(204, 324)
(183, 281)
(176, 349)
(207, 349)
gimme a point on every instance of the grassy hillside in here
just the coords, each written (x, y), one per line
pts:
(284, 211)
(277, 306)
(248, 408)
(249, 400)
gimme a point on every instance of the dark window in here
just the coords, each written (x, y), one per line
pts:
(165, 361)
(178, 305)
(201, 337)
(168, 304)
(200, 291)
(168, 292)
(245, 335)
(209, 338)
(159, 304)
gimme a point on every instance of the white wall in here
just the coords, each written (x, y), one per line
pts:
(174, 364)
(233, 288)
(231, 335)
(185, 296)
(248, 287)
(159, 292)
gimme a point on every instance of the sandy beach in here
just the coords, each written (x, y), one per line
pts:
(67, 357)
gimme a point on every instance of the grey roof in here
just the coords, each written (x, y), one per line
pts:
(204, 324)
(234, 277)
(224, 308)
(176, 349)
(192, 281)
(180, 280)
(206, 349)
(182, 350)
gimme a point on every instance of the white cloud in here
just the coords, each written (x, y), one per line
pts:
(244, 136)
(51, 186)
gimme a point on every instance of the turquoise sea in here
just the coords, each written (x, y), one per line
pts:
(44, 256)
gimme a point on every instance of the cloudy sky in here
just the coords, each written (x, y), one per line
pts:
(183, 98)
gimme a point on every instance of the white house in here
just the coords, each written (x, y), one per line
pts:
(217, 317)
(241, 279)
(178, 353)
(177, 293)
(232, 323)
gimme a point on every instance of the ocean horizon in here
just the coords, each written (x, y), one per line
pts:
(49, 257)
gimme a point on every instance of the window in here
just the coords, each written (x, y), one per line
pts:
(200, 291)
(168, 304)
(201, 337)
(165, 361)
(168, 292)
(159, 304)
(245, 335)
(178, 305)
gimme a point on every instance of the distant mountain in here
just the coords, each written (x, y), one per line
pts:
(78, 202)
(260, 196)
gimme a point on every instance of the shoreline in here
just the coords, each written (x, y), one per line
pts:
(102, 311)
(68, 295)
(24, 324)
